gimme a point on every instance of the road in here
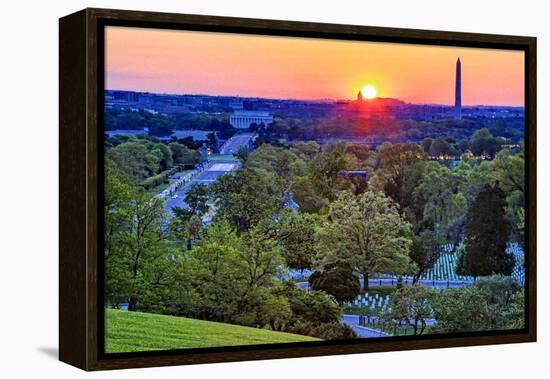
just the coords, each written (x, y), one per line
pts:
(208, 176)
(213, 170)
(232, 145)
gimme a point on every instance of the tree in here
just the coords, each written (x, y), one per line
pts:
(498, 289)
(136, 263)
(411, 305)
(185, 226)
(232, 276)
(166, 160)
(196, 199)
(309, 306)
(212, 141)
(338, 281)
(181, 154)
(361, 152)
(327, 167)
(136, 159)
(411, 206)
(443, 204)
(487, 231)
(273, 159)
(307, 149)
(366, 233)
(462, 309)
(307, 196)
(261, 256)
(117, 215)
(501, 296)
(217, 274)
(242, 154)
(425, 251)
(298, 240)
(508, 172)
(482, 142)
(440, 147)
(274, 311)
(247, 196)
(143, 241)
(514, 314)
(314, 313)
(395, 161)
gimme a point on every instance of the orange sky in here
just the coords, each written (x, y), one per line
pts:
(167, 61)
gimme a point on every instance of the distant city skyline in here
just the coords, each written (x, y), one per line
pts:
(218, 64)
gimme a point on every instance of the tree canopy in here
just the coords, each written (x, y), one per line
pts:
(367, 233)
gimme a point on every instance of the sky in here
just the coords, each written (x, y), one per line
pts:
(188, 62)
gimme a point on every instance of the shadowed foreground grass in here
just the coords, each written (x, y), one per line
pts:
(134, 331)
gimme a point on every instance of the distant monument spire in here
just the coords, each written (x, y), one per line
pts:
(458, 91)
(359, 96)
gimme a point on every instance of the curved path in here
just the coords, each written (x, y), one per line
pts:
(362, 331)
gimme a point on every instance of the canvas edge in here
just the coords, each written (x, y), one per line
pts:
(81, 349)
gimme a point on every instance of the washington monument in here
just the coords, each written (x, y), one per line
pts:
(458, 91)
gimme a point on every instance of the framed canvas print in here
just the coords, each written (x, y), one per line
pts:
(239, 189)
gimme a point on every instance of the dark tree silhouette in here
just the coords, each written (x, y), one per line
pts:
(338, 281)
(487, 232)
(425, 251)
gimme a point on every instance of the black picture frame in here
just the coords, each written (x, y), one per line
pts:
(81, 81)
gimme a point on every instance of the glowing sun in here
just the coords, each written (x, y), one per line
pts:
(369, 91)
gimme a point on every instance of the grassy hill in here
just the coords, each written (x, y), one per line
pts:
(134, 331)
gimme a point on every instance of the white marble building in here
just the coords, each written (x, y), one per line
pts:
(243, 119)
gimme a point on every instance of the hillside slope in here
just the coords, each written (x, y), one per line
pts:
(134, 331)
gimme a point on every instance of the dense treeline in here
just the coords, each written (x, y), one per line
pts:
(453, 136)
(160, 124)
(148, 161)
(297, 207)
(456, 132)
(137, 119)
(492, 303)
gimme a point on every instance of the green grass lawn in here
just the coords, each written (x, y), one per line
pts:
(134, 331)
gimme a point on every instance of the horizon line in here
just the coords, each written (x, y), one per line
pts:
(310, 99)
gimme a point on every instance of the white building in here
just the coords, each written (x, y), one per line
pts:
(243, 119)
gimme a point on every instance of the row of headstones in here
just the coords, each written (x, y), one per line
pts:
(371, 302)
(444, 268)
(518, 272)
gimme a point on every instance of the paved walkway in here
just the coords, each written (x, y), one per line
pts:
(362, 331)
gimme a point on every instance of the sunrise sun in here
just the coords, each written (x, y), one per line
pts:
(369, 91)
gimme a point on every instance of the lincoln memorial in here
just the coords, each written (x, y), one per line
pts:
(243, 119)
